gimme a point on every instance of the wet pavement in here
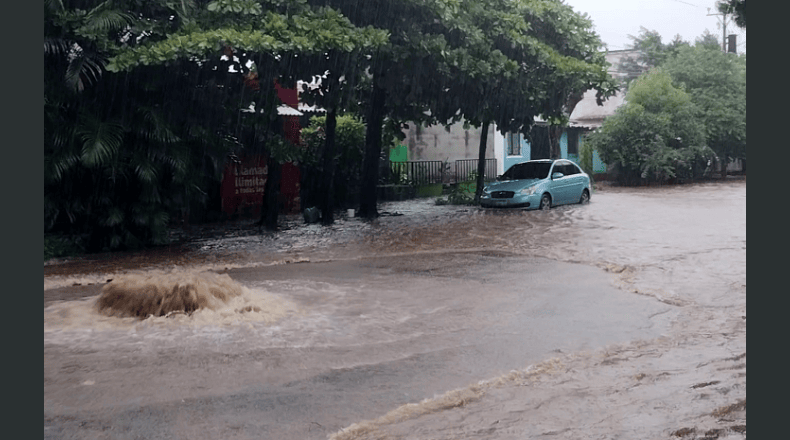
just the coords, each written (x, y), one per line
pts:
(609, 320)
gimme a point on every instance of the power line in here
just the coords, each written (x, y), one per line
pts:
(690, 4)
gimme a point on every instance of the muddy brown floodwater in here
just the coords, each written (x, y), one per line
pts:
(623, 318)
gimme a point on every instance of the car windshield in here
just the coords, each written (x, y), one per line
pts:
(529, 170)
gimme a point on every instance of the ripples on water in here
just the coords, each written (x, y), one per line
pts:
(683, 245)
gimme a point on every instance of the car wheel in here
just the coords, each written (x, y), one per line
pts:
(585, 197)
(545, 202)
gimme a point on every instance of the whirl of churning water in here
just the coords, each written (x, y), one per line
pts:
(163, 294)
(177, 297)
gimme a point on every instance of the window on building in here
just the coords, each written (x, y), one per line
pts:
(513, 144)
(573, 142)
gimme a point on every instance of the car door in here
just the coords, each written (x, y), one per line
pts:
(576, 181)
(561, 186)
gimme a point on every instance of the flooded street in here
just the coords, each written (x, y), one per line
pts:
(624, 318)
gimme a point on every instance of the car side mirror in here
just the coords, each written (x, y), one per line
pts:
(557, 176)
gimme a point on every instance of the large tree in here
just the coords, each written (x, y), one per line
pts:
(656, 135)
(285, 41)
(716, 82)
(651, 52)
(119, 148)
(487, 62)
(551, 57)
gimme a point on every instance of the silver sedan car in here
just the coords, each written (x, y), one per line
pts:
(538, 184)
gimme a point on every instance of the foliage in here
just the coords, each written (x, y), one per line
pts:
(458, 195)
(113, 168)
(493, 61)
(652, 52)
(58, 246)
(735, 7)
(142, 103)
(707, 41)
(311, 32)
(716, 83)
(655, 136)
(142, 99)
(350, 140)
(586, 158)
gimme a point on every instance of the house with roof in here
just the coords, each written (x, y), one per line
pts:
(457, 142)
(587, 115)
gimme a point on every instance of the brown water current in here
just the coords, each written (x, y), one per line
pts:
(623, 318)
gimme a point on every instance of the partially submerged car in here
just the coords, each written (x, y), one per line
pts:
(538, 184)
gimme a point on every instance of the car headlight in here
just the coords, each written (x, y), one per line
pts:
(486, 191)
(528, 191)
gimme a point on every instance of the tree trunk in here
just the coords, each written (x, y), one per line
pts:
(370, 168)
(724, 162)
(555, 133)
(271, 192)
(481, 162)
(270, 207)
(328, 176)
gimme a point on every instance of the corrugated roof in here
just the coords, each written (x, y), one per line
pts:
(588, 113)
(286, 110)
(282, 110)
(310, 108)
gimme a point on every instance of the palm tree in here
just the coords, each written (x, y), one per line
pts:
(122, 150)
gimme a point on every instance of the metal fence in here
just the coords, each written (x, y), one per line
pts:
(466, 169)
(423, 172)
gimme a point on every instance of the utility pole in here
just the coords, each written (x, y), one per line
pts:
(723, 30)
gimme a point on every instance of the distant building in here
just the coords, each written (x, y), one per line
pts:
(512, 148)
(458, 143)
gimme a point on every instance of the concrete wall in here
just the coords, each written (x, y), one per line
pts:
(439, 143)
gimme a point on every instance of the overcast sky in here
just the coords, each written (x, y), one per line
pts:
(615, 20)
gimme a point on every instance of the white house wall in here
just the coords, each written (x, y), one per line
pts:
(447, 144)
(499, 151)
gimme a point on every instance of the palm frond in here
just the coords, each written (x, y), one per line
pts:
(56, 46)
(53, 5)
(156, 128)
(83, 68)
(51, 212)
(114, 217)
(103, 18)
(175, 161)
(100, 140)
(146, 172)
(62, 136)
(55, 168)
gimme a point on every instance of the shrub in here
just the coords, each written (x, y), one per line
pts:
(656, 136)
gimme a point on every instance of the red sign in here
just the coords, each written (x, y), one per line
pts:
(243, 184)
(244, 181)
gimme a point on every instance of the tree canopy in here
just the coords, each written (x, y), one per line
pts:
(716, 82)
(698, 85)
(655, 136)
(735, 7)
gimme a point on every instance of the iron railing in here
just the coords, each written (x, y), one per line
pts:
(466, 169)
(420, 172)
(423, 172)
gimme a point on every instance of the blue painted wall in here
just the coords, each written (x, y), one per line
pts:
(564, 145)
(509, 161)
